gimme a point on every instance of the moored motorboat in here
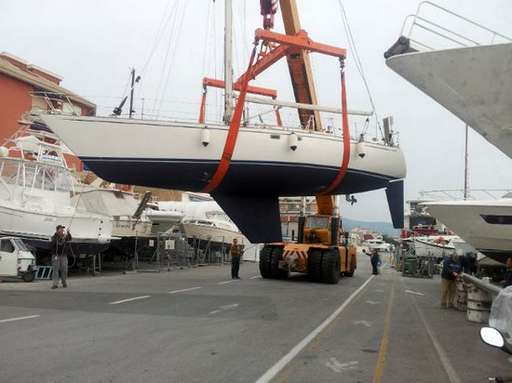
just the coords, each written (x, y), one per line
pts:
(486, 225)
(36, 188)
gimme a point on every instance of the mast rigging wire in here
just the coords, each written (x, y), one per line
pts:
(174, 49)
(172, 16)
(166, 16)
(359, 65)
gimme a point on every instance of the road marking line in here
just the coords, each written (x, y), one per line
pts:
(453, 377)
(183, 290)
(372, 302)
(256, 277)
(130, 299)
(226, 282)
(214, 312)
(414, 292)
(229, 307)
(18, 318)
(381, 359)
(335, 365)
(363, 322)
(283, 362)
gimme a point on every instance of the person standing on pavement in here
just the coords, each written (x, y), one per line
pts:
(374, 260)
(450, 272)
(236, 254)
(59, 247)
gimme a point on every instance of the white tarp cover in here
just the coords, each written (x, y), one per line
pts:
(501, 314)
(110, 202)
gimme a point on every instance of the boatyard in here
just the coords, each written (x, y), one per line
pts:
(244, 191)
(198, 325)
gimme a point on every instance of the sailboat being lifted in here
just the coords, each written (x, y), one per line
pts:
(244, 168)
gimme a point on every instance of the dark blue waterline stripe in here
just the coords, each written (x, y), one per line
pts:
(240, 162)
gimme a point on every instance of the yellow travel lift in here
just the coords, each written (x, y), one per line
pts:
(321, 251)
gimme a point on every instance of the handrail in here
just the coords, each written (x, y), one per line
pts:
(457, 194)
(442, 31)
(486, 286)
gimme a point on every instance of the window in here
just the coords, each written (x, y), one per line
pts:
(497, 219)
(317, 222)
(6, 246)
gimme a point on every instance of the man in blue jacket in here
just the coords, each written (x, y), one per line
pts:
(450, 272)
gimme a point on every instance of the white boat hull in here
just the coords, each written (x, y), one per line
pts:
(474, 83)
(428, 248)
(264, 165)
(212, 234)
(477, 223)
(26, 223)
(172, 155)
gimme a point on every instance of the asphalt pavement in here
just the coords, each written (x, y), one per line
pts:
(198, 325)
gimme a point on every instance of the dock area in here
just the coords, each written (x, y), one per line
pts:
(197, 325)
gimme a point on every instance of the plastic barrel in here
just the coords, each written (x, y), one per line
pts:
(478, 306)
(461, 296)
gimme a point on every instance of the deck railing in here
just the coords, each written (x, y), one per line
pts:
(427, 30)
(458, 194)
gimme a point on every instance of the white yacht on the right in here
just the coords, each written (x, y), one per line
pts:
(469, 72)
(486, 225)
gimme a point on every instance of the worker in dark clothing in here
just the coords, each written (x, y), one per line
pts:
(508, 273)
(374, 260)
(59, 248)
(469, 265)
(236, 254)
(450, 272)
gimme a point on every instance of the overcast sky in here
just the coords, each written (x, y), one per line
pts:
(93, 44)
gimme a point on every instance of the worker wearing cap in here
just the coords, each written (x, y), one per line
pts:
(449, 274)
(59, 248)
(236, 253)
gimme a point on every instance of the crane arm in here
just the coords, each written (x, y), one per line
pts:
(299, 66)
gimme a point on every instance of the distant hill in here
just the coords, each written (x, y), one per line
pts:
(381, 227)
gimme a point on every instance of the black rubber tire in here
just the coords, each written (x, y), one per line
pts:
(315, 265)
(29, 276)
(331, 267)
(351, 272)
(265, 260)
(277, 255)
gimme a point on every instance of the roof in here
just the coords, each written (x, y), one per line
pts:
(36, 80)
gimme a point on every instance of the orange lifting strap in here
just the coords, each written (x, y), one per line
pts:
(346, 135)
(234, 127)
(287, 43)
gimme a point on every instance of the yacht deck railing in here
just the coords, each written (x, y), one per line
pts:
(419, 27)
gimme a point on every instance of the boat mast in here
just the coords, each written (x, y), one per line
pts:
(131, 93)
(228, 64)
(466, 164)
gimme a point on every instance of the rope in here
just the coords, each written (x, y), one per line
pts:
(166, 16)
(359, 65)
(74, 211)
(177, 32)
(166, 58)
(205, 39)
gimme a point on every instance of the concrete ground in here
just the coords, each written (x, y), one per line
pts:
(198, 325)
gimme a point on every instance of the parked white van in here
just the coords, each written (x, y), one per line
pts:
(16, 260)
